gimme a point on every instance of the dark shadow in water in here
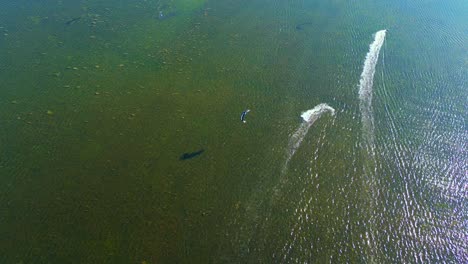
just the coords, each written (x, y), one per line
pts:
(191, 155)
(72, 21)
(301, 26)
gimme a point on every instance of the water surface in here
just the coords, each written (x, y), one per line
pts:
(96, 113)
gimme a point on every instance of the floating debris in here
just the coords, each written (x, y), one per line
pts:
(50, 112)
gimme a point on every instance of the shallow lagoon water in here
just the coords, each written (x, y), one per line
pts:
(96, 114)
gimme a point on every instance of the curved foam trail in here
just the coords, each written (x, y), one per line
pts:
(309, 117)
(365, 88)
(314, 113)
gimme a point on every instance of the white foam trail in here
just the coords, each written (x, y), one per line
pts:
(367, 119)
(316, 112)
(365, 88)
(309, 117)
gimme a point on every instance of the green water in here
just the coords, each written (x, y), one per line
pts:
(95, 114)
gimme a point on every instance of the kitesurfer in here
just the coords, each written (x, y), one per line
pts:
(244, 114)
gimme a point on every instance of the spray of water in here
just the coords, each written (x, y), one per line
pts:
(365, 89)
(309, 117)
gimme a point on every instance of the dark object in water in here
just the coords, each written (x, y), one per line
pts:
(163, 16)
(301, 26)
(191, 155)
(71, 21)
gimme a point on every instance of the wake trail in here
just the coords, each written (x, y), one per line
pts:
(368, 138)
(309, 117)
(365, 89)
(259, 208)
